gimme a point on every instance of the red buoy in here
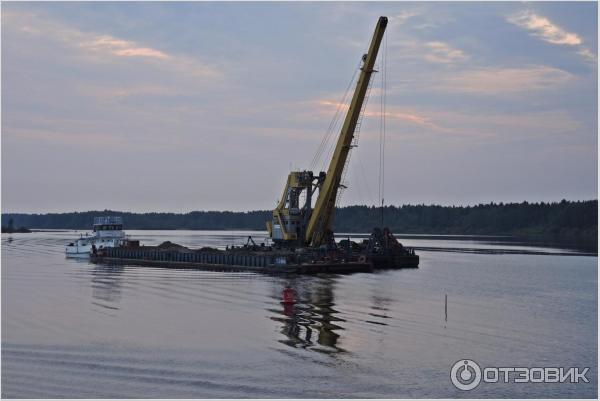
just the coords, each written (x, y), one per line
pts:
(289, 296)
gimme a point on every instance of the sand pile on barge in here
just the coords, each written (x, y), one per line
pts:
(168, 245)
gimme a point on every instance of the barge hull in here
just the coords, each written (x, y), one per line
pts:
(350, 267)
(256, 259)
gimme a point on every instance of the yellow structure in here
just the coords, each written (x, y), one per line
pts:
(294, 221)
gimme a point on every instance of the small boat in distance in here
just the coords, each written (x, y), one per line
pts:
(107, 233)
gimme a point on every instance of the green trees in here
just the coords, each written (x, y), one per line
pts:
(573, 219)
(578, 218)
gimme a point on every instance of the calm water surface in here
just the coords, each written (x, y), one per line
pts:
(74, 329)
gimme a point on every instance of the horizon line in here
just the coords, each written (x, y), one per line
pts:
(337, 207)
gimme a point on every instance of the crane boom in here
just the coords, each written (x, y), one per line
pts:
(321, 218)
(294, 221)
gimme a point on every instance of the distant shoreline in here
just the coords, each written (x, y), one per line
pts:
(580, 248)
(574, 221)
(20, 230)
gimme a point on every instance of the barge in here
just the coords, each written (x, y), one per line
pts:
(225, 261)
(380, 251)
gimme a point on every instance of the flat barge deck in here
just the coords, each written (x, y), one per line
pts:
(245, 259)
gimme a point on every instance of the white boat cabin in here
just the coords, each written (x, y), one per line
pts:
(107, 232)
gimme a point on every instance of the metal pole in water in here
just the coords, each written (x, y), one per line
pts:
(446, 308)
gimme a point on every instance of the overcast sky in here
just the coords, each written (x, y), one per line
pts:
(202, 106)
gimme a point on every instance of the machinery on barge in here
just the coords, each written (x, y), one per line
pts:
(297, 224)
(302, 238)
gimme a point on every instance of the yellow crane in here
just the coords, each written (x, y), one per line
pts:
(294, 221)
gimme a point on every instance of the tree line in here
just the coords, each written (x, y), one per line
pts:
(10, 228)
(574, 219)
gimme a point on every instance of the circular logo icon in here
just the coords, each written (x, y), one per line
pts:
(465, 374)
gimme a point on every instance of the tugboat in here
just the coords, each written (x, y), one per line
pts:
(107, 233)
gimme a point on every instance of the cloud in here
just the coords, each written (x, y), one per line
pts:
(493, 81)
(102, 46)
(124, 48)
(109, 93)
(546, 30)
(440, 52)
(475, 127)
(397, 114)
(588, 55)
(453, 126)
(65, 138)
(543, 28)
(403, 16)
(508, 127)
(435, 51)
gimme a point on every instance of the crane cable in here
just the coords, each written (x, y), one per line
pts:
(333, 123)
(329, 147)
(354, 143)
(382, 126)
(354, 140)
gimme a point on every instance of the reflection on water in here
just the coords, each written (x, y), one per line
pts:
(379, 306)
(106, 285)
(74, 329)
(310, 322)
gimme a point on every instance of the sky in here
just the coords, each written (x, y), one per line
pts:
(207, 106)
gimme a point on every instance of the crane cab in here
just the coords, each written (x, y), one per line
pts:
(293, 211)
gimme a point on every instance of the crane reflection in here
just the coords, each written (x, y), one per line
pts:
(310, 319)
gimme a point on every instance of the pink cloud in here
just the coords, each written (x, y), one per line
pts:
(394, 114)
(440, 52)
(546, 30)
(494, 81)
(543, 28)
(125, 48)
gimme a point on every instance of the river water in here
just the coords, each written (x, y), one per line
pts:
(75, 329)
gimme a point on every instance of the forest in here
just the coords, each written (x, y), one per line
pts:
(569, 219)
